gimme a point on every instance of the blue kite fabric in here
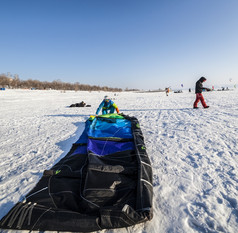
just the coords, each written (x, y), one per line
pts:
(104, 182)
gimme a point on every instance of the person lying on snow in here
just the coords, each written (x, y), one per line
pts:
(198, 90)
(107, 106)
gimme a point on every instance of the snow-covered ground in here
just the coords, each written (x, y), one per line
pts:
(194, 152)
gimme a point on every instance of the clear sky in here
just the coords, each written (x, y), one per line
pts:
(145, 44)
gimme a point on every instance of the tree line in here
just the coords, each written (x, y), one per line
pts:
(15, 82)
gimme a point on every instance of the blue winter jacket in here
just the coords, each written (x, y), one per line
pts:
(106, 105)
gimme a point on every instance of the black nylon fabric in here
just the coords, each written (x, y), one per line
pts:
(87, 192)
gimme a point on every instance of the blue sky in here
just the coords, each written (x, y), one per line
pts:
(145, 44)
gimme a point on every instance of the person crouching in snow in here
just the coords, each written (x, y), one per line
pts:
(198, 90)
(107, 106)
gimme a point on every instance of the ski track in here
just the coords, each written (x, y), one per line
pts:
(193, 151)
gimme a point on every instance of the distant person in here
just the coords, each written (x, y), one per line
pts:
(189, 89)
(107, 106)
(167, 91)
(198, 90)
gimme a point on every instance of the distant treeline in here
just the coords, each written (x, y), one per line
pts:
(15, 82)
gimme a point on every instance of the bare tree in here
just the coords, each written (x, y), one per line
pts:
(15, 82)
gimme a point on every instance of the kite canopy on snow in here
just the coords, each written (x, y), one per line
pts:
(105, 181)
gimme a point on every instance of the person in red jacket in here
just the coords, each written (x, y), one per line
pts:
(198, 90)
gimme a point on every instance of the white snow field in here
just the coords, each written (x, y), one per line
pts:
(194, 152)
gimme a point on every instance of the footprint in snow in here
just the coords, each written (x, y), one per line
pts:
(191, 161)
(201, 219)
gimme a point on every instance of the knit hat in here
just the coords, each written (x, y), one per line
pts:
(106, 97)
(202, 79)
